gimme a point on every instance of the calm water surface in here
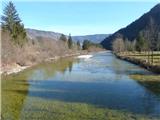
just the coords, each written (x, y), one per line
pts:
(102, 81)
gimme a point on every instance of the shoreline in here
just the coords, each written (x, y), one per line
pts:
(16, 68)
(143, 64)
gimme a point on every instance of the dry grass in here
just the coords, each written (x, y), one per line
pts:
(143, 56)
(34, 51)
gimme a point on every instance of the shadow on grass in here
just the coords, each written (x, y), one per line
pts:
(150, 82)
(97, 94)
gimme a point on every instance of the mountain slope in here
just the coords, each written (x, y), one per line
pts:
(149, 23)
(39, 34)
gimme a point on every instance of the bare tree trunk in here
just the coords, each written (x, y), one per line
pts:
(152, 57)
(148, 57)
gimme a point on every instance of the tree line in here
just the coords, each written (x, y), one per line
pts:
(69, 41)
(84, 46)
(143, 43)
(12, 24)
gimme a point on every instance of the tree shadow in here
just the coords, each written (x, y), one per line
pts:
(97, 94)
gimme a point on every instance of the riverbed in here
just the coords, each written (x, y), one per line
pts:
(98, 87)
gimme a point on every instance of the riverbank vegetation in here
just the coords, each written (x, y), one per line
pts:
(19, 49)
(90, 46)
(143, 50)
(148, 78)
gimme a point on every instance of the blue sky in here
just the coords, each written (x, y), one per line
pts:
(80, 18)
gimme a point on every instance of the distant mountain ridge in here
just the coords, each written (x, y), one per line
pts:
(40, 34)
(149, 22)
(96, 38)
(36, 34)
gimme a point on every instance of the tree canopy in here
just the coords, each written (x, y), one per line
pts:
(70, 42)
(11, 22)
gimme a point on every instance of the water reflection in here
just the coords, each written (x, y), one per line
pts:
(48, 70)
(102, 81)
(15, 87)
(12, 103)
(153, 86)
(99, 94)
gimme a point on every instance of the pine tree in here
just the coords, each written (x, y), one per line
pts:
(78, 45)
(86, 44)
(158, 42)
(10, 17)
(70, 42)
(140, 44)
(11, 22)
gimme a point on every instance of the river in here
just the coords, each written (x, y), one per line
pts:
(74, 89)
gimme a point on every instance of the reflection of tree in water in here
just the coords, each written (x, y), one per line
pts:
(117, 68)
(150, 81)
(47, 70)
(70, 66)
(151, 103)
(15, 87)
(12, 101)
(153, 86)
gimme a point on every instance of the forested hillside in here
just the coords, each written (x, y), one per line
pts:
(147, 25)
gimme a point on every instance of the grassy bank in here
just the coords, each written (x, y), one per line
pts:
(151, 82)
(146, 78)
(144, 59)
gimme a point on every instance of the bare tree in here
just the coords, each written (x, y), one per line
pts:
(118, 45)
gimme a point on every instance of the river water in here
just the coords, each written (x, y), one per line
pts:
(102, 81)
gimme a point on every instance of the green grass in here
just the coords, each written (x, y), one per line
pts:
(151, 82)
(59, 110)
(13, 102)
(147, 78)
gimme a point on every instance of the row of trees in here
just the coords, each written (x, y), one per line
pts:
(143, 43)
(140, 44)
(87, 44)
(69, 41)
(11, 23)
(121, 45)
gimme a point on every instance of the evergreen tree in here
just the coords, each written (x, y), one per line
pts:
(19, 34)
(86, 44)
(11, 22)
(158, 42)
(78, 45)
(63, 38)
(140, 44)
(70, 42)
(128, 45)
(10, 17)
